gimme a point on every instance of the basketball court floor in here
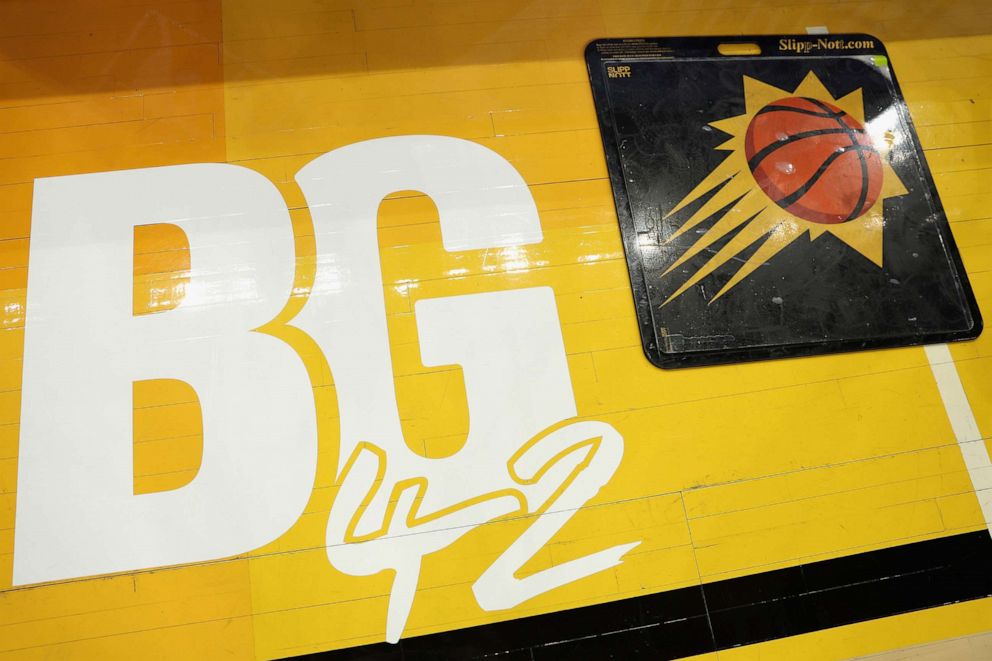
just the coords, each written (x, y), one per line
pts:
(375, 387)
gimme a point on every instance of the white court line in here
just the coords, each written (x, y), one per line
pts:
(976, 456)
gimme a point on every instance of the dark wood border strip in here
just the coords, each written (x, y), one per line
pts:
(723, 614)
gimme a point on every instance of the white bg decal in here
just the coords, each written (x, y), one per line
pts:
(77, 513)
(394, 506)
(526, 454)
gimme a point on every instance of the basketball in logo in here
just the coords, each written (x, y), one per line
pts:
(814, 160)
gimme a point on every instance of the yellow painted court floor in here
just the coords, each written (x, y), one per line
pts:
(727, 471)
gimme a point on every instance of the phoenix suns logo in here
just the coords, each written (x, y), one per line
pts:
(800, 164)
(756, 196)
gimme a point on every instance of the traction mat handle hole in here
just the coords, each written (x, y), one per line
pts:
(737, 49)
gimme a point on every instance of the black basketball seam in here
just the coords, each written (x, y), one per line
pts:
(801, 111)
(797, 194)
(863, 196)
(795, 137)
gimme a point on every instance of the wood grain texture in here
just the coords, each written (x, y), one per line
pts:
(727, 471)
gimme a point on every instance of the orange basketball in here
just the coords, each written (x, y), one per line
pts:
(814, 160)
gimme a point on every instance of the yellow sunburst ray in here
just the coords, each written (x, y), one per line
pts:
(745, 210)
(728, 169)
(892, 185)
(757, 228)
(734, 126)
(853, 105)
(757, 95)
(782, 235)
(863, 234)
(738, 186)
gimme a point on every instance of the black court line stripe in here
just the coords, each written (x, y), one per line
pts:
(723, 614)
(763, 153)
(794, 197)
(863, 196)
